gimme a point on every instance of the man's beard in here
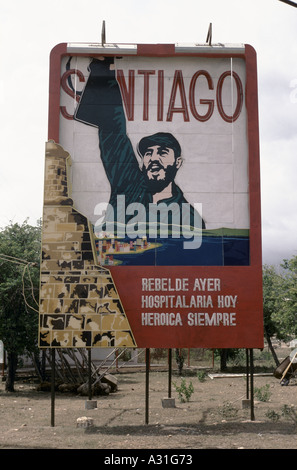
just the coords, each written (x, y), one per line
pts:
(155, 185)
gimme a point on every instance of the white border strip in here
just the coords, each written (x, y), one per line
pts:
(213, 49)
(85, 48)
(89, 48)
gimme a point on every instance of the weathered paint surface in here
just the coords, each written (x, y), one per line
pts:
(79, 303)
(167, 294)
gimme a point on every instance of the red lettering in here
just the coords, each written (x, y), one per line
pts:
(146, 87)
(178, 99)
(160, 94)
(178, 82)
(178, 87)
(210, 103)
(128, 95)
(239, 103)
(65, 86)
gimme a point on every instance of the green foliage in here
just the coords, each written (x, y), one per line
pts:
(289, 412)
(280, 300)
(229, 355)
(201, 375)
(19, 287)
(228, 410)
(184, 391)
(286, 412)
(286, 318)
(273, 415)
(179, 360)
(273, 288)
(263, 393)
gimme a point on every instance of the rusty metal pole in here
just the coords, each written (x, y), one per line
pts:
(252, 383)
(247, 373)
(90, 373)
(53, 380)
(169, 371)
(147, 373)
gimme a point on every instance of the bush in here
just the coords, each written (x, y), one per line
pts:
(271, 414)
(184, 391)
(263, 393)
(201, 375)
(228, 411)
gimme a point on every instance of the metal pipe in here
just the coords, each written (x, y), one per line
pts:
(169, 371)
(90, 373)
(147, 371)
(247, 373)
(53, 379)
(252, 384)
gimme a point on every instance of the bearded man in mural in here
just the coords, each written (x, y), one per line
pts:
(147, 196)
(145, 201)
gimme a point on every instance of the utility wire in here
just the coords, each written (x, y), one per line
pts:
(13, 259)
(26, 268)
(24, 295)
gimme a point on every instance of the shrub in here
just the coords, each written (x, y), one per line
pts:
(263, 393)
(271, 414)
(184, 391)
(201, 375)
(228, 411)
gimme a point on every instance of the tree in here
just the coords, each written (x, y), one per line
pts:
(227, 354)
(280, 302)
(179, 360)
(273, 297)
(19, 288)
(286, 317)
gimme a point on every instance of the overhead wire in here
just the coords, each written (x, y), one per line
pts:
(32, 287)
(12, 259)
(31, 282)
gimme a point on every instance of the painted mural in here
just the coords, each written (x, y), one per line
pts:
(164, 202)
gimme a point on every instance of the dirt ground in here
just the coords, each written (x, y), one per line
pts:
(214, 418)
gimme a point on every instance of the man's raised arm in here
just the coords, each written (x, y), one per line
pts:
(101, 106)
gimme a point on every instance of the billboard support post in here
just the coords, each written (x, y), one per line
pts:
(169, 371)
(147, 372)
(90, 374)
(53, 379)
(252, 383)
(247, 373)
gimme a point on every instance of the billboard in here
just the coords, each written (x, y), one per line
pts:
(152, 222)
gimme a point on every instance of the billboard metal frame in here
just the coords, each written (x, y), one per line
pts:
(253, 273)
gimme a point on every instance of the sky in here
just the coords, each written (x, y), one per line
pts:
(29, 30)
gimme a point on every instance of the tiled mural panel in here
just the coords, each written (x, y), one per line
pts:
(79, 303)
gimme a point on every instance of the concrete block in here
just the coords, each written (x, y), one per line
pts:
(245, 403)
(90, 404)
(168, 402)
